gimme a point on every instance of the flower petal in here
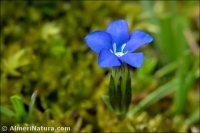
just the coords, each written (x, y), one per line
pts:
(119, 31)
(99, 40)
(107, 59)
(138, 38)
(133, 59)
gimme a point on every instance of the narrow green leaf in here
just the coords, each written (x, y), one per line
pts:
(147, 6)
(112, 93)
(167, 69)
(18, 107)
(107, 102)
(32, 102)
(119, 94)
(186, 77)
(155, 96)
(194, 117)
(128, 93)
(6, 111)
(78, 125)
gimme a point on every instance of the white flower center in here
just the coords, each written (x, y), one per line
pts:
(120, 52)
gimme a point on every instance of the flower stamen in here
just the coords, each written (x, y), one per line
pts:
(118, 53)
(123, 46)
(114, 47)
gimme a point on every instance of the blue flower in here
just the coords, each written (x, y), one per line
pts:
(115, 46)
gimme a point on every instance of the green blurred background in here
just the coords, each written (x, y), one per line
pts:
(50, 77)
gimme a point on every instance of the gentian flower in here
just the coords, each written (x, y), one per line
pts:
(116, 46)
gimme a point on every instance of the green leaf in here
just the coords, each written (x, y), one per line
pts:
(186, 77)
(18, 107)
(112, 93)
(78, 125)
(155, 96)
(14, 62)
(171, 67)
(6, 111)
(32, 102)
(128, 93)
(147, 6)
(194, 117)
(119, 94)
(107, 102)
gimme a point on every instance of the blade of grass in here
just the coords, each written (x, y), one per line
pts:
(18, 107)
(6, 111)
(166, 69)
(162, 91)
(186, 80)
(168, 41)
(193, 118)
(32, 103)
(147, 6)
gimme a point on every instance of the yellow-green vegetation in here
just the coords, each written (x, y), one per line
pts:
(50, 77)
